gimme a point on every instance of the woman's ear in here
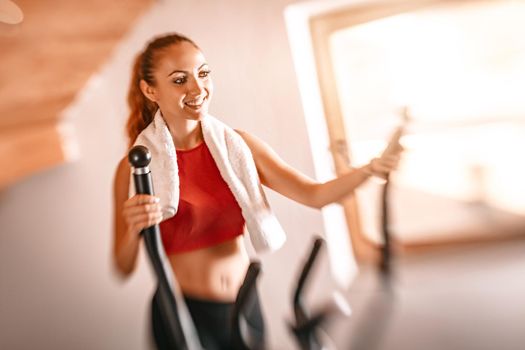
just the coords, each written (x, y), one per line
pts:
(148, 91)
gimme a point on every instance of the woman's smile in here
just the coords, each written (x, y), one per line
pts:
(197, 103)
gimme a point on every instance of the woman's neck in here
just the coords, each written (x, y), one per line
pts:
(185, 133)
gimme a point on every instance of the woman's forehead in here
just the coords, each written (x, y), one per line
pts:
(181, 57)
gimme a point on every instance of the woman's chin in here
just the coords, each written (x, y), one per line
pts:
(196, 115)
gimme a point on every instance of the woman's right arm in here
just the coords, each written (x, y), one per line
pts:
(131, 216)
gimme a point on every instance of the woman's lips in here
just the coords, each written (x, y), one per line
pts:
(195, 104)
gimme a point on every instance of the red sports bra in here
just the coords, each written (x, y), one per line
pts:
(208, 214)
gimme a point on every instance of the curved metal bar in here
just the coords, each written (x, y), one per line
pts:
(245, 336)
(173, 310)
(386, 250)
(305, 326)
(300, 313)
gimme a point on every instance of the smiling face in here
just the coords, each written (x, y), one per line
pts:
(182, 85)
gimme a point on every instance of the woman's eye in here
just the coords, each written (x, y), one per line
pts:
(179, 81)
(204, 73)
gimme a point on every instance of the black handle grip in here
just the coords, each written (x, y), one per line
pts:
(139, 158)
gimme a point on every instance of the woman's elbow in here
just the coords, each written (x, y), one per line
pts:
(320, 195)
(123, 268)
(317, 204)
(124, 271)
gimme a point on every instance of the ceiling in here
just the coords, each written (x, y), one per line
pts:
(45, 61)
(48, 57)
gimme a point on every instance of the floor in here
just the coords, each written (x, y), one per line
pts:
(463, 297)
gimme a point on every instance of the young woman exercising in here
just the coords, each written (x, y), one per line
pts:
(203, 240)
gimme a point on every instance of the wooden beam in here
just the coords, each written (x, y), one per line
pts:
(24, 151)
(46, 60)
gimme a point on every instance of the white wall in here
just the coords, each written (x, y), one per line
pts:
(57, 289)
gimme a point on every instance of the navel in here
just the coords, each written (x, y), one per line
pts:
(225, 282)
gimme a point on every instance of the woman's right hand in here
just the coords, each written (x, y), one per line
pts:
(141, 211)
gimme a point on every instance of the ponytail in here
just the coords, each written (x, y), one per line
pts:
(142, 110)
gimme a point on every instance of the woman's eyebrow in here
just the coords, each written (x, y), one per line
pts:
(183, 71)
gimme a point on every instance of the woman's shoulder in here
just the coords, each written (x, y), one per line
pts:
(258, 147)
(122, 173)
(248, 138)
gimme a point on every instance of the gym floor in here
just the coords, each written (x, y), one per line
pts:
(462, 297)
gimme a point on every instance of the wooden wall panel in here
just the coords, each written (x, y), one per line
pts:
(46, 60)
(27, 150)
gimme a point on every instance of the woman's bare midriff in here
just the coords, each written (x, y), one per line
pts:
(213, 273)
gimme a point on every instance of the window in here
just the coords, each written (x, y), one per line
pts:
(460, 69)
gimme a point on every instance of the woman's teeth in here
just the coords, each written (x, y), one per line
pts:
(195, 103)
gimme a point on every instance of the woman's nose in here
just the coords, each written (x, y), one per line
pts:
(196, 86)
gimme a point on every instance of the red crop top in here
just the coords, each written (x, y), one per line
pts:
(208, 214)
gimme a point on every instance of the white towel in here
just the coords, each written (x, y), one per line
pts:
(236, 166)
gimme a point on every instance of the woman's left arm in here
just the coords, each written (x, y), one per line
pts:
(276, 174)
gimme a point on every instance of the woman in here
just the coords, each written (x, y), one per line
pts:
(203, 241)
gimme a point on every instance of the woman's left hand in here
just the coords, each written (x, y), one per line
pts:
(389, 159)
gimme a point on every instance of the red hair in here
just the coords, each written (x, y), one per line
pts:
(142, 110)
